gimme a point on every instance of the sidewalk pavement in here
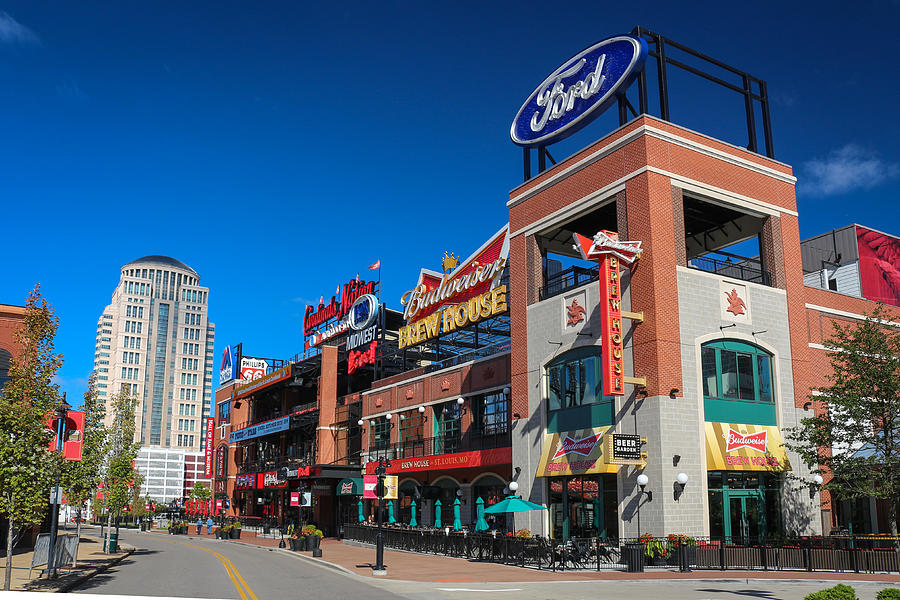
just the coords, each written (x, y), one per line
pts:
(91, 561)
(411, 566)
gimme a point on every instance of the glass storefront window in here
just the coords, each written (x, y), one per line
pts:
(584, 506)
(736, 370)
(744, 507)
(380, 430)
(447, 418)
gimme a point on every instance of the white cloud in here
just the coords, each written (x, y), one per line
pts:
(844, 170)
(13, 32)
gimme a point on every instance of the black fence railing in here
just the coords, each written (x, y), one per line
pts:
(276, 462)
(417, 448)
(563, 281)
(745, 270)
(859, 554)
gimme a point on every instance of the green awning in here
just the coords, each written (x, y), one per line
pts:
(350, 486)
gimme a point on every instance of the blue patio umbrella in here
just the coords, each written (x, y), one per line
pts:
(480, 523)
(361, 517)
(514, 504)
(391, 518)
(457, 522)
(437, 514)
(412, 511)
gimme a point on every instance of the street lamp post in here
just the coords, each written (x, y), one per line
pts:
(60, 413)
(380, 470)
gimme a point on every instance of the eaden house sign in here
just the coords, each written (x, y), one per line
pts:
(579, 91)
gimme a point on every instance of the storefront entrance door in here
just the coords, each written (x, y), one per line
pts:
(745, 521)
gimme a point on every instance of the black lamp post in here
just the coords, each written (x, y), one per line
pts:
(380, 470)
(60, 415)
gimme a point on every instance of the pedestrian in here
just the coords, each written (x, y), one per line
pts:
(209, 524)
(199, 526)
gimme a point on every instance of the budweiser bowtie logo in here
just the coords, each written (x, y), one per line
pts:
(583, 446)
(604, 243)
(346, 488)
(736, 440)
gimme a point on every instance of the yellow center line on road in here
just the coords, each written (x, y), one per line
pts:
(229, 568)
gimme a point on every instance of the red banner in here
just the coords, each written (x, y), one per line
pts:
(879, 266)
(459, 460)
(210, 428)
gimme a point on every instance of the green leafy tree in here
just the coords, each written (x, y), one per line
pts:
(201, 492)
(26, 464)
(119, 474)
(856, 437)
(81, 478)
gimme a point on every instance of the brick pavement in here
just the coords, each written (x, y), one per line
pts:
(409, 566)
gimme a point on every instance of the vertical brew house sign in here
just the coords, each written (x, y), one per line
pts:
(607, 250)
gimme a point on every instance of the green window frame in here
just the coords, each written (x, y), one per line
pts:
(448, 427)
(574, 391)
(380, 434)
(737, 383)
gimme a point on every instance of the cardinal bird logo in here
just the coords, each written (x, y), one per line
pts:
(736, 306)
(575, 312)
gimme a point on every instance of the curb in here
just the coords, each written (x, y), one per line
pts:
(69, 586)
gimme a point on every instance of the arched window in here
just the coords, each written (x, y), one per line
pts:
(737, 383)
(575, 391)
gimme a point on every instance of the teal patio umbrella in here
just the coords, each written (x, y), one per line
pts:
(437, 514)
(412, 511)
(597, 513)
(480, 523)
(391, 518)
(361, 517)
(457, 522)
(514, 504)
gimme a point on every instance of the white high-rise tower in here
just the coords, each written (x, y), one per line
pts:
(155, 340)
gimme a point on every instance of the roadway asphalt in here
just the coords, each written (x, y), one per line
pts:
(188, 567)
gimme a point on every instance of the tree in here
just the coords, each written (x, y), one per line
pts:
(26, 464)
(856, 436)
(200, 492)
(81, 478)
(119, 474)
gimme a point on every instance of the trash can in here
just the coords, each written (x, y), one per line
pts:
(634, 558)
(113, 542)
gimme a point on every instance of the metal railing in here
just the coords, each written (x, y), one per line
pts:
(418, 448)
(859, 554)
(745, 270)
(295, 410)
(484, 352)
(571, 278)
(276, 462)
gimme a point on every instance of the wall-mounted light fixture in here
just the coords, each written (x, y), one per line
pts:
(421, 410)
(675, 460)
(513, 487)
(642, 481)
(506, 391)
(672, 393)
(643, 393)
(460, 402)
(459, 494)
(517, 416)
(402, 417)
(815, 485)
(680, 481)
(388, 418)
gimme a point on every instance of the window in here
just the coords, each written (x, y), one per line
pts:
(575, 391)
(737, 383)
(380, 429)
(447, 418)
(491, 413)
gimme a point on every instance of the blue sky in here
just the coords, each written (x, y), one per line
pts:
(279, 148)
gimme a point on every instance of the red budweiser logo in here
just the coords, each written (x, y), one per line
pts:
(584, 446)
(737, 440)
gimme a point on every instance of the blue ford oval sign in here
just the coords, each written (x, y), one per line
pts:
(579, 91)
